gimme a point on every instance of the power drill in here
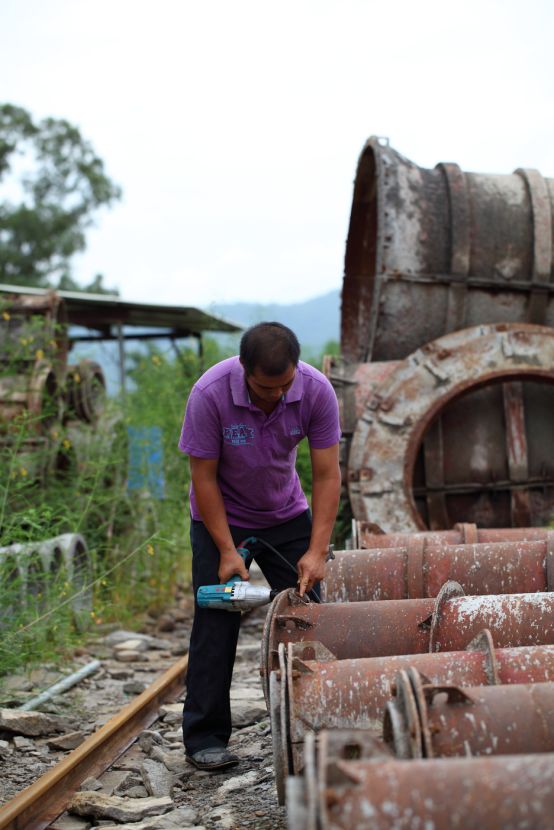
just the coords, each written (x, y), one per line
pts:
(235, 595)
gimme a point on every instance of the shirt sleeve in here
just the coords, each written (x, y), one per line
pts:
(324, 427)
(201, 432)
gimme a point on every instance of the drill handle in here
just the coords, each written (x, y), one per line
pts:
(245, 554)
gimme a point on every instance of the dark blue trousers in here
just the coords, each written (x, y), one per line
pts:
(213, 640)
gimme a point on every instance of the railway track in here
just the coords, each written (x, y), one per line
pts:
(131, 771)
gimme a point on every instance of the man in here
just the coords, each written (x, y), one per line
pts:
(243, 420)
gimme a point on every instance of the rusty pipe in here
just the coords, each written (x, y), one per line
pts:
(353, 694)
(464, 533)
(343, 790)
(412, 626)
(421, 567)
(430, 720)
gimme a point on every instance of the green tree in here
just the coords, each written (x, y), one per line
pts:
(51, 183)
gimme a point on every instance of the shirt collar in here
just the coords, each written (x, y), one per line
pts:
(297, 388)
(239, 389)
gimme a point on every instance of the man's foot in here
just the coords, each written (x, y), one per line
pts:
(213, 758)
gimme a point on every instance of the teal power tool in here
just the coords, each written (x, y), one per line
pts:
(235, 595)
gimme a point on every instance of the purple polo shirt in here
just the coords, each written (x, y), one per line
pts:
(257, 452)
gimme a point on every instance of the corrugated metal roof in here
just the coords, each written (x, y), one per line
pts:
(102, 311)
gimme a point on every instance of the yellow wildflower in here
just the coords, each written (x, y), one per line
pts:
(5, 315)
(66, 443)
(150, 550)
(39, 354)
(22, 472)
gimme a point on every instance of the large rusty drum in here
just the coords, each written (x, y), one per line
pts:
(433, 251)
(460, 431)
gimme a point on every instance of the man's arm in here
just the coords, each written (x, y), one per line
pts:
(211, 507)
(325, 502)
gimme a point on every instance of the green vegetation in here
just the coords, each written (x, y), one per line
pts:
(61, 476)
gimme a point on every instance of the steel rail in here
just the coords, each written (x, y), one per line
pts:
(35, 807)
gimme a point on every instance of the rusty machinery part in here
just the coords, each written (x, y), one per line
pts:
(460, 431)
(421, 568)
(341, 694)
(34, 396)
(38, 805)
(354, 385)
(463, 533)
(30, 323)
(348, 790)
(406, 626)
(85, 387)
(443, 249)
(435, 720)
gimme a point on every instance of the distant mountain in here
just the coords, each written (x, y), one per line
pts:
(314, 322)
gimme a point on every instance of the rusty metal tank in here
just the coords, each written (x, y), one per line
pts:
(421, 567)
(349, 784)
(367, 536)
(434, 720)
(460, 431)
(382, 628)
(353, 694)
(430, 251)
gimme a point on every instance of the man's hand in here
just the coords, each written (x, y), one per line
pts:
(311, 569)
(231, 564)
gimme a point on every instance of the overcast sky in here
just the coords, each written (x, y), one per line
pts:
(234, 126)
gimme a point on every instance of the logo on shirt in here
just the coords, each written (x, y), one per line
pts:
(238, 434)
(295, 431)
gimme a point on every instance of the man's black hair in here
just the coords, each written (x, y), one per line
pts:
(269, 347)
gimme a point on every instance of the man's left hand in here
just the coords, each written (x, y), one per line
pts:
(311, 569)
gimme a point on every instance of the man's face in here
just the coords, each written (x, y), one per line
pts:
(270, 388)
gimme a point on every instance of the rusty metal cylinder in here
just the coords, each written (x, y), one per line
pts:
(353, 694)
(85, 391)
(461, 431)
(415, 626)
(30, 400)
(428, 720)
(343, 791)
(422, 567)
(434, 251)
(462, 534)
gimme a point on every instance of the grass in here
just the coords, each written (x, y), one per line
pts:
(74, 480)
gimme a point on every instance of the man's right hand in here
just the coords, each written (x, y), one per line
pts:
(232, 564)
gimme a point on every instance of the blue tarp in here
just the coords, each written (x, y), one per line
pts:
(146, 471)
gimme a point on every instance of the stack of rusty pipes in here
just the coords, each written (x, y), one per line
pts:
(343, 665)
